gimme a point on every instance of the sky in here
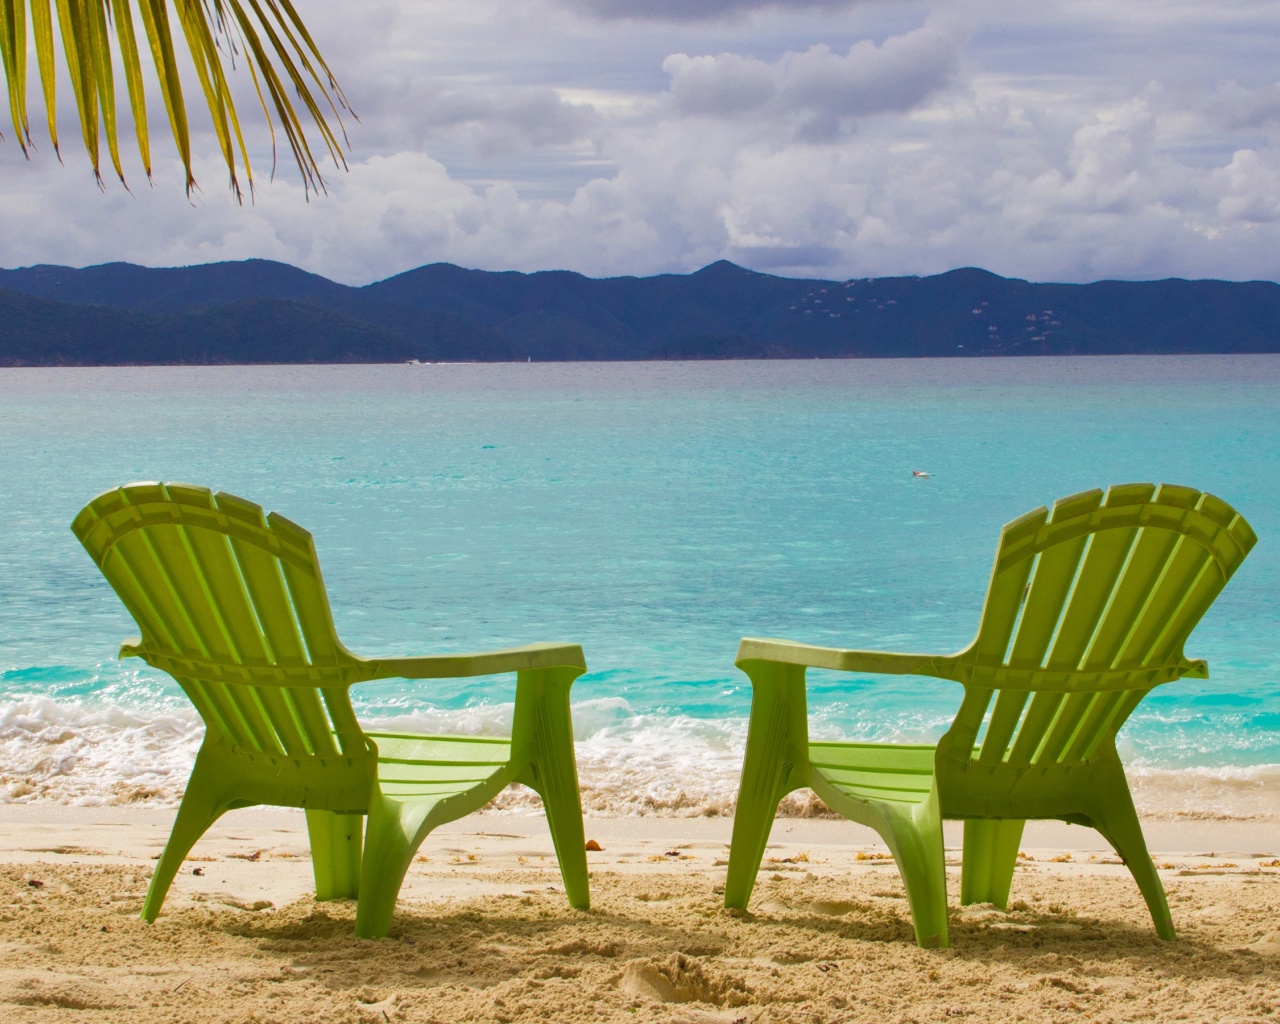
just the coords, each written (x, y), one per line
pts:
(1062, 140)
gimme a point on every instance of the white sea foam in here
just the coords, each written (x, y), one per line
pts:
(629, 763)
(94, 754)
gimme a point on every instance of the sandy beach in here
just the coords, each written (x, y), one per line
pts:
(482, 931)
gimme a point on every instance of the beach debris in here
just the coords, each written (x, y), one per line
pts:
(198, 872)
(35, 883)
(255, 856)
(594, 847)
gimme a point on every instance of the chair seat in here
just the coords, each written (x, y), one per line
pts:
(897, 773)
(438, 766)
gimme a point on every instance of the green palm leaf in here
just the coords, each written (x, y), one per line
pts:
(98, 39)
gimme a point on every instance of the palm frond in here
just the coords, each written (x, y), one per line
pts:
(268, 35)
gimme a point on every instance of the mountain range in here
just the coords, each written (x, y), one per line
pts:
(258, 311)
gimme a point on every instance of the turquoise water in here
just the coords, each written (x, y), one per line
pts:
(654, 513)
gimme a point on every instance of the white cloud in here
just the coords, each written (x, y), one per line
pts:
(1248, 189)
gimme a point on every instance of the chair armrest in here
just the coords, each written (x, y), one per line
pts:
(485, 663)
(881, 662)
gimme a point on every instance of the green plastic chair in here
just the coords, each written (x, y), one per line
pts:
(1087, 611)
(232, 605)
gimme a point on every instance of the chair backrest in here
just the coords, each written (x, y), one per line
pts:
(1088, 609)
(231, 603)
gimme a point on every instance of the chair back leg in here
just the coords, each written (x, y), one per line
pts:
(336, 841)
(990, 854)
(1117, 820)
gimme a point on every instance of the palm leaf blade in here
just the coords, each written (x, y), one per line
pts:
(276, 45)
(133, 77)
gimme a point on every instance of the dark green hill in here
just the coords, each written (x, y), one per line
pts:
(259, 311)
(35, 332)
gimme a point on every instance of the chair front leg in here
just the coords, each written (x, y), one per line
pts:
(542, 750)
(776, 762)
(209, 795)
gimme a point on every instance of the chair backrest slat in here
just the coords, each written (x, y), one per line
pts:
(1195, 580)
(1073, 711)
(964, 730)
(1005, 598)
(214, 582)
(280, 713)
(1052, 581)
(1102, 590)
(188, 589)
(238, 704)
(1095, 726)
(1004, 720)
(219, 717)
(1040, 717)
(1104, 561)
(346, 729)
(1137, 585)
(306, 591)
(1125, 702)
(146, 594)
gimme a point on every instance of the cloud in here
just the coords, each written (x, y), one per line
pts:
(503, 121)
(1248, 189)
(1049, 143)
(1237, 107)
(826, 88)
(694, 10)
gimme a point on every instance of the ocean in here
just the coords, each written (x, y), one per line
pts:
(654, 513)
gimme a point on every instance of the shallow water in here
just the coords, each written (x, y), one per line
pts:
(654, 513)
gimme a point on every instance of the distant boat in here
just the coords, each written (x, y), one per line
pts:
(920, 473)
